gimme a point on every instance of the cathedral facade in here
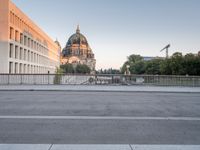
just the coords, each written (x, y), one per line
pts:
(78, 51)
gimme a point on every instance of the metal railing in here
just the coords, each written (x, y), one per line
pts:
(76, 79)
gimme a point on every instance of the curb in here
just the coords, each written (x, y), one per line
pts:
(114, 91)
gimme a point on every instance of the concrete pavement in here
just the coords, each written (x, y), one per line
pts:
(107, 104)
(64, 117)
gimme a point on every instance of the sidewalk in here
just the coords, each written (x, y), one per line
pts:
(96, 147)
(99, 88)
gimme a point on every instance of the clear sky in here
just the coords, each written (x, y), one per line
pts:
(116, 29)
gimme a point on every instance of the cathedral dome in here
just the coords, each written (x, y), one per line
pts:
(78, 51)
(77, 38)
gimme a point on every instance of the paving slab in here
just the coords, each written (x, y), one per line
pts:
(165, 147)
(91, 147)
(25, 146)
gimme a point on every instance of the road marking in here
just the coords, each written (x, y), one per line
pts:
(102, 118)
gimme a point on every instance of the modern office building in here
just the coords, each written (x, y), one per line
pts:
(24, 47)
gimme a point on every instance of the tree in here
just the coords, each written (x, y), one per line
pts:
(134, 58)
(137, 67)
(136, 64)
(82, 69)
(153, 66)
(67, 68)
(191, 61)
(58, 75)
(176, 64)
(165, 67)
(124, 67)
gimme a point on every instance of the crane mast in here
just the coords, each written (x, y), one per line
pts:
(166, 48)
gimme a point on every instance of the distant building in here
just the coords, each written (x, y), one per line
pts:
(78, 51)
(24, 47)
(148, 58)
(199, 53)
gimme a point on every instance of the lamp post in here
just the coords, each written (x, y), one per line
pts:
(127, 72)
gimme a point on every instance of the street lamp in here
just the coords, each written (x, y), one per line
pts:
(127, 72)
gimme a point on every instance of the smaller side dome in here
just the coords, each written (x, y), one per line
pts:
(57, 42)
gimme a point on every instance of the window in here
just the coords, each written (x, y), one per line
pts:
(16, 36)
(10, 67)
(16, 52)
(25, 54)
(16, 68)
(28, 55)
(28, 42)
(34, 45)
(11, 51)
(25, 68)
(21, 38)
(11, 33)
(25, 40)
(20, 68)
(31, 43)
(28, 69)
(21, 53)
(31, 56)
(35, 57)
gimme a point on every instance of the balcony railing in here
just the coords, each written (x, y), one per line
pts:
(76, 79)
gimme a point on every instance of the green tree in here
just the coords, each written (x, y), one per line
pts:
(153, 66)
(82, 69)
(165, 67)
(67, 68)
(177, 64)
(123, 68)
(190, 64)
(136, 64)
(58, 75)
(137, 67)
(134, 58)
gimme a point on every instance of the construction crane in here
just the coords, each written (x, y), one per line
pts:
(167, 50)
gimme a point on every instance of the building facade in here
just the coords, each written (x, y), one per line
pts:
(24, 47)
(78, 51)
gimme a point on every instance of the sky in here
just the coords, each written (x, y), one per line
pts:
(116, 29)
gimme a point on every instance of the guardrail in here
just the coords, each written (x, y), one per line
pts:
(103, 79)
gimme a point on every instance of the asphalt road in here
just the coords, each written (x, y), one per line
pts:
(99, 117)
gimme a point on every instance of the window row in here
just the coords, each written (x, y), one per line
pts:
(17, 21)
(19, 53)
(27, 41)
(19, 68)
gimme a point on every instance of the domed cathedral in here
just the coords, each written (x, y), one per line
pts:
(78, 51)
